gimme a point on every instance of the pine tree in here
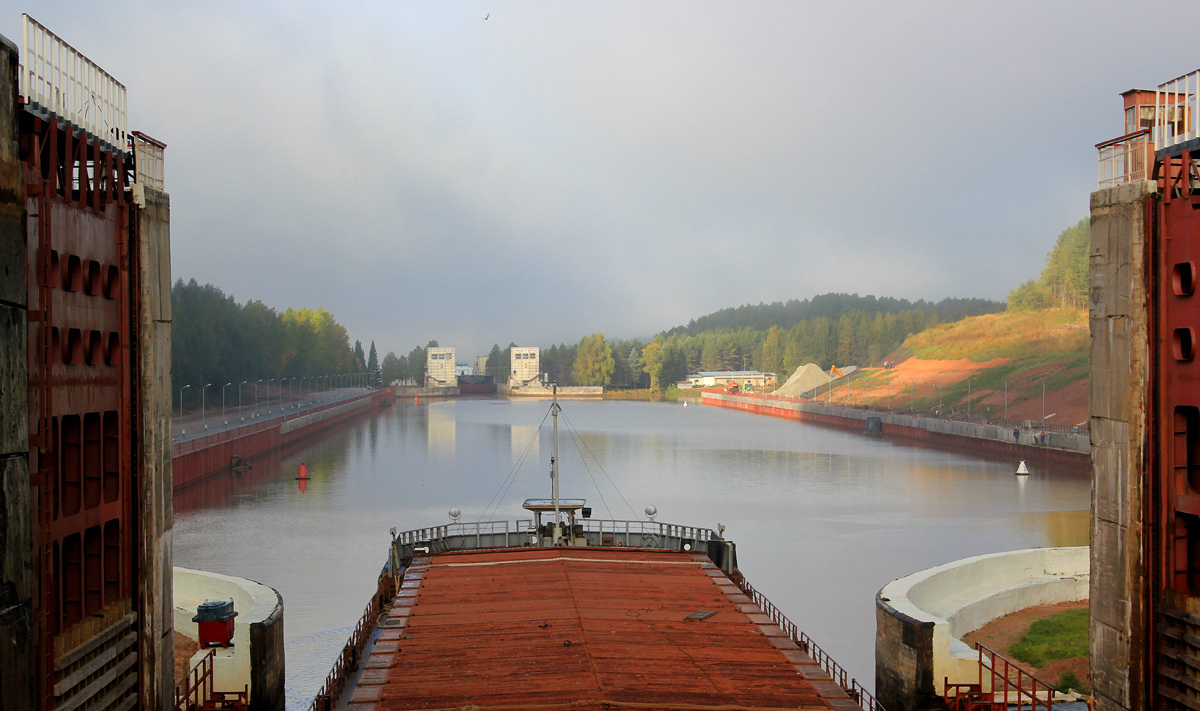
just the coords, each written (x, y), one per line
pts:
(373, 365)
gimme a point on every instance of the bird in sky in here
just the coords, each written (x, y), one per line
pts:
(487, 16)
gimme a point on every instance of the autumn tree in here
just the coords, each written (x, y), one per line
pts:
(593, 361)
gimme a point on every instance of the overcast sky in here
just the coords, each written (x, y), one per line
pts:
(563, 168)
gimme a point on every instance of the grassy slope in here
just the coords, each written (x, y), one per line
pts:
(1050, 334)
(1022, 350)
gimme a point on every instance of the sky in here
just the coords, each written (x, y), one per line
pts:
(533, 172)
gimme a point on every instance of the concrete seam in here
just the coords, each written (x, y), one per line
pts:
(13, 305)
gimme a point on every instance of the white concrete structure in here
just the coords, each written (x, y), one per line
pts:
(439, 367)
(526, 366)
(481, 365)
(962, 596)
(252, 601)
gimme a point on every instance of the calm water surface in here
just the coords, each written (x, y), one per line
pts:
(822, 518)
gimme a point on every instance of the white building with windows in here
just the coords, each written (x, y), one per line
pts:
(526, 366)
(439, 367)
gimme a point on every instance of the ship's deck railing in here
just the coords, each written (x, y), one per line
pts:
(504, 534)
(1124, 159)
(57, 80)
(856, 691)
(521, 533)
(347, 662)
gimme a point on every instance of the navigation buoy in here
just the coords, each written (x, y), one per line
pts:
(685, 403)
(1022, 469)
(303, 474)
(416, 400)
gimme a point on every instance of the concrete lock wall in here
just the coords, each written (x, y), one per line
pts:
(16, 537)
(1119, 362)
(153, 304)
(256, 658)
(921, 618)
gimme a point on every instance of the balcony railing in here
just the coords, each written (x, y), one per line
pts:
(1177, 111)
(148, 160)
(57, 80)
(1125, 159)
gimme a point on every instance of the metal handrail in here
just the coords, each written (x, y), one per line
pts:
(197, 687)
(1004, 677)
(861, 696)
(347, 660)
(58, 79)
(1125, 159)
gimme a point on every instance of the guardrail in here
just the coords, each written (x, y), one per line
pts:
(58, 80)
(1125, 159)
(851, 686)
(1021, 691)
(148, 161)
(197, 687)
(347, 661)
(1177, 111)
(519, 534)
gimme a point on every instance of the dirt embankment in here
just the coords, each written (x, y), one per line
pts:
(1001, 634)
(940, 387)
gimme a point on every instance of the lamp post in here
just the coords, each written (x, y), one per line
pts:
(256, 382)
(281, 391)
(185, 387)
(240, 395)
(269, 393)
(203, 391)
(968, 399)
(1043, 403)
(1006, 400)
(223, 400)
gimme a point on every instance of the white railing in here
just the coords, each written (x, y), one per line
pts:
(1124, 159)
(148, 160)
(1176, 112)
(58, 80)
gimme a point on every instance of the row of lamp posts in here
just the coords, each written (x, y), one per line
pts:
(343, 380)
(829, 392)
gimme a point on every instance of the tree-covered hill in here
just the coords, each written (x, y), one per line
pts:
(831, 306)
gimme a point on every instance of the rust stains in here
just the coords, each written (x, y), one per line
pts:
(565, 628)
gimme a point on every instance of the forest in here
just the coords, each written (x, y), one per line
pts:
(216, 340)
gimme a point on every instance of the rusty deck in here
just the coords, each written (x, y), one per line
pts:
(558, 628)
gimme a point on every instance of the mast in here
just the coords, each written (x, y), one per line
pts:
(554, 408)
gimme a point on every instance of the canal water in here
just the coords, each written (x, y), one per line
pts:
(822, 518)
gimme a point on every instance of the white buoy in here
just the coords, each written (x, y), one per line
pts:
(1022, 469)
(685, 403)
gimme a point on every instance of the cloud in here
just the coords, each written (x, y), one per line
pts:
(564, 168)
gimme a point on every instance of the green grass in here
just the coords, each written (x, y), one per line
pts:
(1070, 680)
(1062, 636)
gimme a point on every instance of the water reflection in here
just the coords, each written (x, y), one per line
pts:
(822, 518)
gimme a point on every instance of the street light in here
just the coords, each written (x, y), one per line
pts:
(240, 396)
(203, 390)
(185, 387)
(269, 393)
(223, 401)
(256, 382)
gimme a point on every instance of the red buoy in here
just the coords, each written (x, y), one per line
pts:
(303, 471)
